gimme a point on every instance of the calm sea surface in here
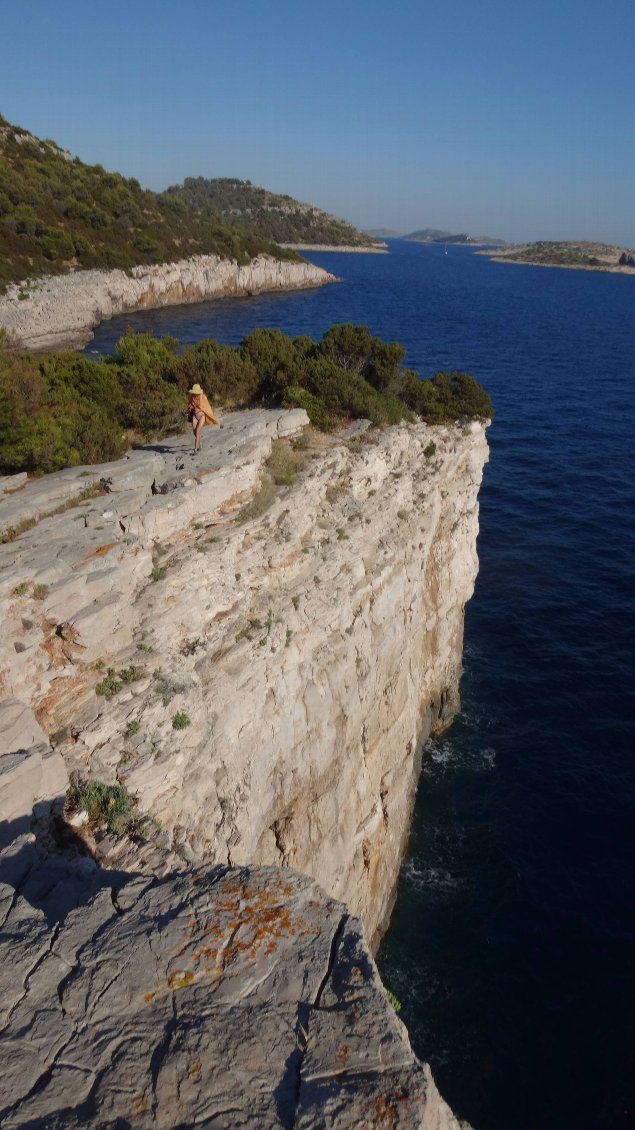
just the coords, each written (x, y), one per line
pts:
(511, 945)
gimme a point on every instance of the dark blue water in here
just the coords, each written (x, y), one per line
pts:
(511, 946)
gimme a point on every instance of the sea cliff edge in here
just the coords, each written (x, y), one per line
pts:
(311, 645)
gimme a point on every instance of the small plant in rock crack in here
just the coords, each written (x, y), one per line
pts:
(40, 591)
(110, 685)
(113, 681)
(395, 1002)
(105, 805)
(181, 720)
(132, 728)
(21, 589)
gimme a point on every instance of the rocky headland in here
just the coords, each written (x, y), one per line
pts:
(61, 311)
(258, 664)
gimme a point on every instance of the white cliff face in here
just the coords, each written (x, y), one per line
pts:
(60, 312)
(311, 648)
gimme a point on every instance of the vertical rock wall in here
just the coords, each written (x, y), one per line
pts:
(310, 639)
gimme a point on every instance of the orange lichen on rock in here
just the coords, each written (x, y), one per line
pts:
(102, 550)
(180, 978)
(386, 1107)
(244, 924)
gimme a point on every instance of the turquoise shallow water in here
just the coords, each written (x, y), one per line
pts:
(511, 946)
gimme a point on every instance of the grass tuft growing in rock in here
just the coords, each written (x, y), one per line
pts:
(109, 806)
(181, 720)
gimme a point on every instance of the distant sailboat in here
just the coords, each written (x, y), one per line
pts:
(445, 249)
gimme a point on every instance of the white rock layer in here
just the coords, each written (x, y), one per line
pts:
(310, 648)
(60, 312)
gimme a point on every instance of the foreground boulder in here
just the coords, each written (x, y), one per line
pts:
(223, 997)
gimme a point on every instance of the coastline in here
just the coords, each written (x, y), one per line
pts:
(61, 311)
(348, 249)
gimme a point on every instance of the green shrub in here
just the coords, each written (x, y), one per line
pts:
(181, 720)
(108, 806)
(66, 409)
(110, 685)
(314, 406)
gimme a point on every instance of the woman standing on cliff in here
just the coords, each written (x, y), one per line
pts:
(199, 412)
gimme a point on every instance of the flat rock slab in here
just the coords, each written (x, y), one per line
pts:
(219, 997)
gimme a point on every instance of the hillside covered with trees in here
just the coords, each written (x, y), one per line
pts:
(64, 409)
(58, 213)
(281, 218)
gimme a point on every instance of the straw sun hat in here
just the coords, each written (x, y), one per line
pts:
(196, 390)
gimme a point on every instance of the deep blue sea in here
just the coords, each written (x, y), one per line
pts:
(511, 946)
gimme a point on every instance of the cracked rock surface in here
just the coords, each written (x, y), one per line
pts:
(221, 997)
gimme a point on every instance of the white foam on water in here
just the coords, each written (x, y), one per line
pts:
(429, 878)
(442, 755)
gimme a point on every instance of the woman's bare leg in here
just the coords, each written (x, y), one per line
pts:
(198, 431)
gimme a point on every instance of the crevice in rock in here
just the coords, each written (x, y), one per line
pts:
(304, 1012)
(159, 1054)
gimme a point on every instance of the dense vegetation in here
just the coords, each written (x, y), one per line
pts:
(272, 216)
(57, 213)
(64, 409)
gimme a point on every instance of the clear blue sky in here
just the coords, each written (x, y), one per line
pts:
(509, 117)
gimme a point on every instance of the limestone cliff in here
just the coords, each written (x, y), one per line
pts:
(258, 664)
(60, 312)
(311, 645)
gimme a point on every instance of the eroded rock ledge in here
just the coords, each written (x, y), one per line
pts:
(60, 312)
(220, 998)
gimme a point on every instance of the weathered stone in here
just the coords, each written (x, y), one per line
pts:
(28, 776)
(18, 727)
(61, 311)
(229, 998)
(9, 483)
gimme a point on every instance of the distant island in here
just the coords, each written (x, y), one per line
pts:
(571, 254)
(436, 235)
(269, 215)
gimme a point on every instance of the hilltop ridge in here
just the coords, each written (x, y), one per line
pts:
(58, 213)
(271, 215)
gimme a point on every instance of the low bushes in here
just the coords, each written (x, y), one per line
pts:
(65, 409)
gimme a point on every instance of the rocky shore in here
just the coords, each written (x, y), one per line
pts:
(307, 637)
(61, 311)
